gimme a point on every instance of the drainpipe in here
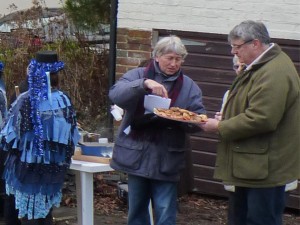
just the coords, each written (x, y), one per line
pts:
(112, 61)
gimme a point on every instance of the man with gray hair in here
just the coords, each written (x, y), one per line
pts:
(259, 151)
(152, 150)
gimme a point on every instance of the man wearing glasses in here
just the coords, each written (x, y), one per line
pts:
(259, 151)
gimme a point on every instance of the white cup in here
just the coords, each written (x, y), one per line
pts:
(154, 101)
(120, 109)
(116, 114)
(103, 140)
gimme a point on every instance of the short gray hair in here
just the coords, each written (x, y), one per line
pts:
(169, 44)
(250, 30)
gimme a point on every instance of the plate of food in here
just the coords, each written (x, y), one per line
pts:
(181, 115)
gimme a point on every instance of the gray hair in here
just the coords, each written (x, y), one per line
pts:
(169, 45)
(250, 30)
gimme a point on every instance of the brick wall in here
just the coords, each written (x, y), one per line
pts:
(211, 16)
(133, 47)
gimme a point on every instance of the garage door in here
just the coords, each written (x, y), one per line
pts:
(209, 64)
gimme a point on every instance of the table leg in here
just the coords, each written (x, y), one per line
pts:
(78, 197)
(85, 198)
(151, 212)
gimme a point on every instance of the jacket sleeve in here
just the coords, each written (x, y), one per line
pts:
(128, 89)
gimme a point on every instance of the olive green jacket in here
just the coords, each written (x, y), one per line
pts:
(260, 131)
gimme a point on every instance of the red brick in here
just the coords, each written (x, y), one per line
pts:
(144, 62)
(139, 34)
(139, 41)
(127, 61)
(118, 75)
(131, 67)
(121, 69)
(122, 38)
(135, 54)
(122, 53)
(123, 31)
(126, 46)
(146, 48)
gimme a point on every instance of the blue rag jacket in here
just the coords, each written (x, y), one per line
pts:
(36, 180)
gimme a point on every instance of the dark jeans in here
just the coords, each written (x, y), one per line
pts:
(164, 201)
(45, 221)
(257, 206)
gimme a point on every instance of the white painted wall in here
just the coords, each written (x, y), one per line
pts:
(282, 17)
(6, 8)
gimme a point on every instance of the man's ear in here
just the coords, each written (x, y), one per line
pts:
(256, 43)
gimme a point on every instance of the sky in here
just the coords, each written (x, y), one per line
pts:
(25, 4)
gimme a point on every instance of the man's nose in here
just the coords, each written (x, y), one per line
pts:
(233, 51)
(173, 62)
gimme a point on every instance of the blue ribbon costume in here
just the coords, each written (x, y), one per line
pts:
(40, 136)
(3, 100)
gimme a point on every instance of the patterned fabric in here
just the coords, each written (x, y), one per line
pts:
(39, 90)
(3, 99)
(36, 180)
(3, 105)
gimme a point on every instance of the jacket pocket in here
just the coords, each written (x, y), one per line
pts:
(172, 162)
(251, 159)
(128, 153)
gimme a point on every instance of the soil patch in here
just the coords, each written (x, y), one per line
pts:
(193, 209)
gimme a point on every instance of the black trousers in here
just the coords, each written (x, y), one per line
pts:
(2, 182)
(45, 221)
(7, 204)
(10, 212)
(11, 215)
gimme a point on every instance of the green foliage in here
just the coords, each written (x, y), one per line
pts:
(88, 14)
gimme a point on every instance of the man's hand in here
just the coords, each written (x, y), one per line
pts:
(156, 88)
(218, 116)
(210, 126)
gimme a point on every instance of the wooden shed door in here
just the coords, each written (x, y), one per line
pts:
(209, 64)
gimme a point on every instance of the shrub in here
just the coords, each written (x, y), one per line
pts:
(85, 77)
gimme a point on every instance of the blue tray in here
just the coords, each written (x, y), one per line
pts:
(97, 149)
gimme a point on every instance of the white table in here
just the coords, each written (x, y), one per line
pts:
(85, 188)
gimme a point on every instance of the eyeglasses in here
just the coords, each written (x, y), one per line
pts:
(239, 46)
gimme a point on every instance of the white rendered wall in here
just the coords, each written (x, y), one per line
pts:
(6, 8)
(282, 17)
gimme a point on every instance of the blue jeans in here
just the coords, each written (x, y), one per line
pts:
(257, 206)
(164, 201)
